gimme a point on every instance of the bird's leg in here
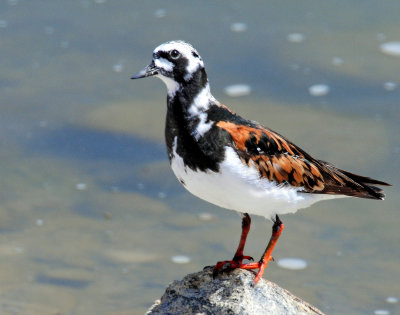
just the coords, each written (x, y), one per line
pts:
(246, 222)
(277, 229)
(238, 258)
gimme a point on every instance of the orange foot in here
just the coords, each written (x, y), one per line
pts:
(236, 262)
(277, 229)
(239, 257)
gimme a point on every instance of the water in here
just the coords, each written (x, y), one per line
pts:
(391, 49)
(238, 27)
(318, 90)
(292, 263)
(295, 37)
(90, 213)
(237, 90)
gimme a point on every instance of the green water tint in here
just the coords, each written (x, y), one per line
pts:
(70, 116)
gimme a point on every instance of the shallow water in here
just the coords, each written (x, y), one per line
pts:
(91, 217)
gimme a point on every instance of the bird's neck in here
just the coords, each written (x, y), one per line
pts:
(187, 111)
(187, 123)
(192, 97)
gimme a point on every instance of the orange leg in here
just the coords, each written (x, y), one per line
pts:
(246, 222)
(277, 229)
(238, 258)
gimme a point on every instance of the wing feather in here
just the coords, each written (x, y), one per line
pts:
(281, 161)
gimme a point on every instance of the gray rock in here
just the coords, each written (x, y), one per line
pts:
(229, 293)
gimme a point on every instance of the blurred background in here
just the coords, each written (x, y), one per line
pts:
(92, 219)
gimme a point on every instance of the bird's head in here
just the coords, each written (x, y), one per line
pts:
(175, 63)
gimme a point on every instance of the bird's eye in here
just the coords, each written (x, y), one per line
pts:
(174, 54)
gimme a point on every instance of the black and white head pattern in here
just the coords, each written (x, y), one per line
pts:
(177, 62)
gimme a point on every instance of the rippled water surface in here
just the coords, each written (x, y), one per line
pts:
(92, 220)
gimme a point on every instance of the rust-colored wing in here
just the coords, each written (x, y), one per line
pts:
(283, 162)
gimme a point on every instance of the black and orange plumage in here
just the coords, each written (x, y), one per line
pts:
(237, 163)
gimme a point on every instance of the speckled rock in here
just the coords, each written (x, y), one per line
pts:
(230, 293)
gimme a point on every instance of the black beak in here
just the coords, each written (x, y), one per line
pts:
(149, 71)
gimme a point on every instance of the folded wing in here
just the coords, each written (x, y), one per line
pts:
(281, 161)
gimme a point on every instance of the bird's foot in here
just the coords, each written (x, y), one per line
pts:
(228, 265)
(237, 261)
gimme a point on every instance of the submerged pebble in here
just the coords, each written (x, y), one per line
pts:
(81, 186)
(295, 37)
(381, 312)
(118, 67)
(389, 86)
(391, 48)
(392, 300)
(160, 13)
(162, 195)
(180, 259)
(238, 27)
(318, 89)
(337, 61)
(205, 216)
(39, 222)
(237, 90)
(292, 263)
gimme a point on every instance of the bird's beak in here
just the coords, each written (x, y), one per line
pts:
(149, 71)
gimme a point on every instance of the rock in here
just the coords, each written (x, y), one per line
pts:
(229, 293)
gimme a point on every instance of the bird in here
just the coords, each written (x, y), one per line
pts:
(236, 163)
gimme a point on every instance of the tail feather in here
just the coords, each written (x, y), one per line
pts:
(364, 179)
(369, 190)
(342, 182)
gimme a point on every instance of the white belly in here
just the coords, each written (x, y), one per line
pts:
(238, 187)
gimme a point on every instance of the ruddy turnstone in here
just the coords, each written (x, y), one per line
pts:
(237, 163)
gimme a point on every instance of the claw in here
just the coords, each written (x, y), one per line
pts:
(249, 258)
(239, 259)
(226, 265)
